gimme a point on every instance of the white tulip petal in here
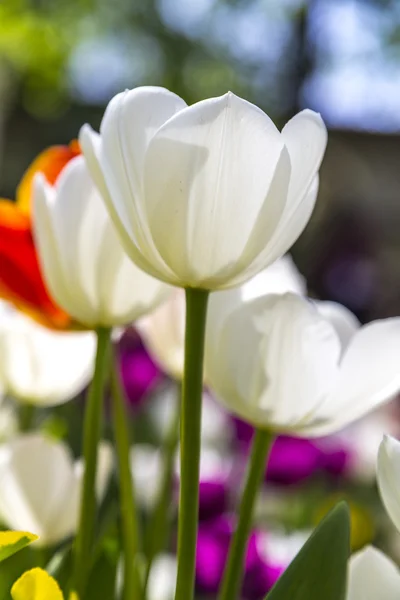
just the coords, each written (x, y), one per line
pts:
(305, 137)
(372, 576)
(215, 163)
(388, 476)
(130, 121)
(280, 277)
(343, 320)
(41, 366)
(287, 231)
(162, 579)
(47, 244)
(368, 377)
(83, 260)
(36, 475)
(287, 361)
(91, 146)
(147, 465)
(163, 333)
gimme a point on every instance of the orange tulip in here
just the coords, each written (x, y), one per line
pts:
(21, 281)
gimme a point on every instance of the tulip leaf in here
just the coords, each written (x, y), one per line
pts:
(36, 584)
(12, 541)
(320, 568)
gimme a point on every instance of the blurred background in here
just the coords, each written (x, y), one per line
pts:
(61, 62)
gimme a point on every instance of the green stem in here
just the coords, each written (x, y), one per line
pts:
(159, 522)
(196, 312)
(26, 417)
(130, 530)
(233, 574)
(91, 437)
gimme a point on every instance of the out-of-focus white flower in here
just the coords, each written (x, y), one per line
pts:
(40, 486)
(278, 363)
(216, 424)
(372, 576)
(41, 366)
(361, 441)
(204, 196)
(84, 265)
(163, 333)
(147, 466)
(163, 330)
(162, 579)
(388, 476)
(278, 548)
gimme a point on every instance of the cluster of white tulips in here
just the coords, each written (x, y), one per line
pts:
(176, 219)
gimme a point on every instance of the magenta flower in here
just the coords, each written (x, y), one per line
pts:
(139, 373)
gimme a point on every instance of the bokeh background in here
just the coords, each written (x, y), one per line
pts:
(61, 61)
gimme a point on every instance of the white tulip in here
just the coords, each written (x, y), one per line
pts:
(40, 366)
(362, 441)
(162, 579)
(278, 363)
(372, 576)
(216, 425)
(40, 486)
(204, 196)
(163, 330)
(84, 265)
(388, 477)
(147, 466)
(163, 333)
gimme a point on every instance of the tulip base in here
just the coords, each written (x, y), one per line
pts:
(192, 391)
(91, 438)
(230, 586)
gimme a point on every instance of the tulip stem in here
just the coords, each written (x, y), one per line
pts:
(232, 579)
(159, 523)
(130, 529)
(91, 436)
(196, 312)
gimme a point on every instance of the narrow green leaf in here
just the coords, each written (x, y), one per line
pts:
(12, 541)
(320, 568)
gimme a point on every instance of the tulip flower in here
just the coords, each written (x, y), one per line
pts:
(37, 584)
(40, 486)
(280, 364)
(372, 575)
(40, 366)
(388, 477)
(21, 280)
(90, 276)
(163, 330)
(34, 585)
(161, 584)
(147, 467)
(204, 196)
(83, 262)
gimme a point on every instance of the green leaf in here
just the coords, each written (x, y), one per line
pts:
(320, 568)
(12, 541)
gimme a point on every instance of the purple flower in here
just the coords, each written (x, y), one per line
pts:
(293, 460)
(213, 499)
(212, 550)
(138, 371)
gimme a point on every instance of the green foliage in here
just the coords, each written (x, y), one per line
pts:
(320, 568)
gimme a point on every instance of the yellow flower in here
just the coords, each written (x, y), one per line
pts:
(36, 584)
